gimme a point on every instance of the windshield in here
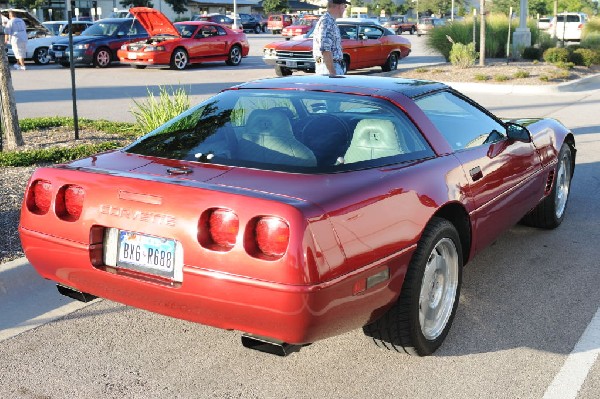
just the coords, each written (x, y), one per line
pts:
(288, 130)
(104, 28)
(54, 28)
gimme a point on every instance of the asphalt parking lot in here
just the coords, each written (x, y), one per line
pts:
(527, 326)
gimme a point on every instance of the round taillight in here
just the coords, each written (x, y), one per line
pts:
(74, 201)
(40, 197)
(69, 202)
(223, 227)
(272, 236)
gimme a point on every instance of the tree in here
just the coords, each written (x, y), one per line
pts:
(136, 3)
(275, 6)
(179, 6)
(10, 120)
(27, 4)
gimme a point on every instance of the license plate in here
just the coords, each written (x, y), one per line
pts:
(145, 253)
(58, 54)
(132, 56)
(292, 64)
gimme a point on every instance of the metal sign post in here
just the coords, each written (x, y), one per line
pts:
(70, 6)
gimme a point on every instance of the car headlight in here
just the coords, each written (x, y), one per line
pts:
(154, 48)
(81, 46)
(124, 47)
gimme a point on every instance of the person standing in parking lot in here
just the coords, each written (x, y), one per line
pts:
(327, 40)
(15, 31)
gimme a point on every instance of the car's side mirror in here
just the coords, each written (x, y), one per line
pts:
(517, 132)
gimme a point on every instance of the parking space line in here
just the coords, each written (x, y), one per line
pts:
(572, 375)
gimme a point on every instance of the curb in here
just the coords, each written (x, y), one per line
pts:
(16, 275)
(584, 84)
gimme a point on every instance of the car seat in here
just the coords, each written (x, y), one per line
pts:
(268, 137)
(373, 139)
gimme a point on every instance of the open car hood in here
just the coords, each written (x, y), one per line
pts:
(32, 23)
(154, 21)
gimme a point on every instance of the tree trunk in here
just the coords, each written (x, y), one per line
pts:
(8, 106)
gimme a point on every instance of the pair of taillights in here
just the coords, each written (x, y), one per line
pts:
(68, 204)
(265, 235)
(268, 236)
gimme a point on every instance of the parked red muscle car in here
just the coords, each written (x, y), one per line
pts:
(299, 208)
(182, 44)
(365, 43)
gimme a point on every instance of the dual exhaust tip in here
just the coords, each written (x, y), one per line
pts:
(261, 344)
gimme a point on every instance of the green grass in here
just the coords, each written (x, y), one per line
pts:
(64, 154)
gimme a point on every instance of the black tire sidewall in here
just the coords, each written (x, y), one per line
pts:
(442, 229)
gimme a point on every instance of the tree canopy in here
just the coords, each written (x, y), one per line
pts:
(271, 6)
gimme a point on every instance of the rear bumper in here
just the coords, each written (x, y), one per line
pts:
(296, 314)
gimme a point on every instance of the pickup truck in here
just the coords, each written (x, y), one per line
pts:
(400, 23)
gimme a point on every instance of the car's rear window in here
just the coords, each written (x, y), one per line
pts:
(289, 130)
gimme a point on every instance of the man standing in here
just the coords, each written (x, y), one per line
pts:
(327, 40)
(15, 31)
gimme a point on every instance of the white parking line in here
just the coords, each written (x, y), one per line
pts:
(570, 378)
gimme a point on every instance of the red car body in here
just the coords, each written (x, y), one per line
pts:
(182, 44)
(365, 44)
(300, 208)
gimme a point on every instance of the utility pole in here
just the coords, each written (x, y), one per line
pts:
(10, 120)
(482, 33)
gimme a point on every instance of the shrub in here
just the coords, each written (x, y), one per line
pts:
(154, 112)
(556, 54)
(421, 70)
(583, 56)
(53, 154)
(531, 53)
(565, 65)
(591, 41)
(463, 55)
(521, 74)
(546, 41)
(482, 77)
(501, 78)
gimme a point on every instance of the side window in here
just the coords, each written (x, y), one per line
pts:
(462, 124)
(221, 31)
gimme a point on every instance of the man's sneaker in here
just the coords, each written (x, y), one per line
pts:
(17, 66)
(22, 67)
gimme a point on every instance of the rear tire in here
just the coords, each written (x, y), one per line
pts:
(420, 319)
(550, 213)
(257, 29)
(391, 64)
(235, 56)
(41, 56)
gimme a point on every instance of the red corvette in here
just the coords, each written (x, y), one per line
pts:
(182, 44)
(299, 208)
(365, 43)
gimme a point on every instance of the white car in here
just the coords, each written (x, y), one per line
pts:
(41, 36)
(568, 25)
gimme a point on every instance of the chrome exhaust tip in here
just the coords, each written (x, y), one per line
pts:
(268, 345)
(73, 293)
